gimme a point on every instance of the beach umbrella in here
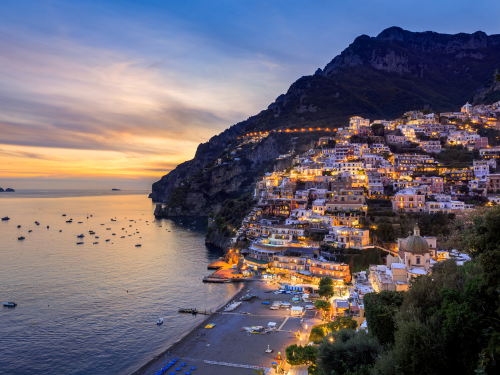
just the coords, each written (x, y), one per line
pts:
(274, 363)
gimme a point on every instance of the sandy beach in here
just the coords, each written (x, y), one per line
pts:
(227, 342)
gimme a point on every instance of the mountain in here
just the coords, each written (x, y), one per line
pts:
(375, 77)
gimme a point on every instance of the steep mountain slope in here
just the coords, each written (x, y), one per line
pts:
(375, 77)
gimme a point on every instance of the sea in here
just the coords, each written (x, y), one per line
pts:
(92, 308)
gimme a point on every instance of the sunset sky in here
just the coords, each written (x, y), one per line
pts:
(101, 94)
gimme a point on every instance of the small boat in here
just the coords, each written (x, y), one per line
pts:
(122, 237)
(37, 223)
(60, 230)
(96, 236)
(69, 221)
(80, 235)
(80, 222)
(10, 304)
(64, 214)
(160, 321)
(47, 227)
(91, 232)
(138, 245)
(79, 243)
(107, 240)
(30, 231)
(95, 243)
(21, 238)
(113, 220)
(19, 226)
(113, 234)
(5, 218)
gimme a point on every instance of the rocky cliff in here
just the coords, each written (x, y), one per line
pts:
(375, 77)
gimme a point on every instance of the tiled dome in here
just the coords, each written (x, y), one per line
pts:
(416, 243)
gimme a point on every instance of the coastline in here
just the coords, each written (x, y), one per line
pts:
(184, 336)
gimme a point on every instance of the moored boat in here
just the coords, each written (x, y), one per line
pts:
(5, 218)
(10, 304)
(159, 321)
(21, 238)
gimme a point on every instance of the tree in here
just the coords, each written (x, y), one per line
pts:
(349, 352)
(322, 305)
(378, 130)
(301, 355)
(385, 232)
(326, 291)
(380, 309)
(325, 281)
(342, 322)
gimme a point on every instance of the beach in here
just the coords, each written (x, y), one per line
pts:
(227, 342)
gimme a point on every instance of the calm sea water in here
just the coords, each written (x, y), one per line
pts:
(92, 308)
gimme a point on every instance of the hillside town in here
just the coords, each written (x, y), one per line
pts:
(330, 204)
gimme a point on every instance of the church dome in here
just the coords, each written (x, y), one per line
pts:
(416, 243)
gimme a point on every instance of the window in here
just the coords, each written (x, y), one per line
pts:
(418, 260)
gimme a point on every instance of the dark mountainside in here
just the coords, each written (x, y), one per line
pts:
(375, 77)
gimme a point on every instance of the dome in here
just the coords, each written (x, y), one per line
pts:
(417, 244)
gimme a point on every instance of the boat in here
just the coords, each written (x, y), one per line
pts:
(122, 237)
(80, 235)
(47, 227)
(96, 236)
(6, 218)
(80, 222)
(79, 243)
(107, 240)
(37, 223)
(30, 231)
(232, 306)
(64, 214)
(69, 221)
(10, 304)
(91, 232)
(159, 321)
(21, 238)
(60, 230)
(138, 245)
(248, 297)
(113, 220)
(95, 243)
(19, 226)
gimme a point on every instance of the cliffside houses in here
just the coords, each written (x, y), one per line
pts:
(322, 199)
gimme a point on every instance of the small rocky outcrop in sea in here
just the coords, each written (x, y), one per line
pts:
(9, 190)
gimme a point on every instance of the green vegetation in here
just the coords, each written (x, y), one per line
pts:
(349, 352)
(456, 157)
(301, 355)
(380, 310)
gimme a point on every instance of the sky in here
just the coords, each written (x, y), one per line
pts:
(116, 93)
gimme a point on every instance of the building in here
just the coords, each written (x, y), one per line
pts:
(408, 200)
(339, 272)
(443, 203)
(347, 237)
(356, 122)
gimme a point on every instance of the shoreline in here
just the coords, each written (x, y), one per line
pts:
(183, 336)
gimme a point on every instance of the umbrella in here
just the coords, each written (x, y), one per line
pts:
(274, 363)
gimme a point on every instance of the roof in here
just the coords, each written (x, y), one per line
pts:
(398, 265)
(257, 261)
(417, 271)
(417, 245)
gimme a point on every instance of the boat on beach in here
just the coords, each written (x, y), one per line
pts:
(5, 218)
(79, 243)
(10, 304)
(21, 238)
(80, 235)
(232, 306)
(19, 226)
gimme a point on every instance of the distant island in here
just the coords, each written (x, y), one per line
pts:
(116, 190)
(8, 190)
